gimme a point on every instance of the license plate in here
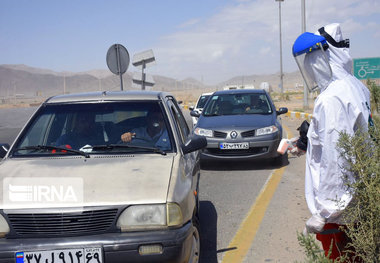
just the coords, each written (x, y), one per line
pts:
(81, 255)
(233, 146)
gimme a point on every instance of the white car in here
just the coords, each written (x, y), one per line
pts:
(201, 102)
(87, 195)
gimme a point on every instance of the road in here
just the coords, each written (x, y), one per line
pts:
(249, 211)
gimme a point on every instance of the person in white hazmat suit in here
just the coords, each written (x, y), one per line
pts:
(343, 105)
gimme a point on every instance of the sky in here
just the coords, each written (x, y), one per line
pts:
(209, 40)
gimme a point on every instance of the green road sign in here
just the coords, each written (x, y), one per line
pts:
(365, 68)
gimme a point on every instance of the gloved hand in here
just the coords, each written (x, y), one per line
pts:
(315, 224)
(295, 150)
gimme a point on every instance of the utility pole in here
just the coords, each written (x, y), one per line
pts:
(64, 84)
(303, 22)
(281, 74)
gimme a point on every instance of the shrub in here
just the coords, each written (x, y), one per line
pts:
(362, 153)
(375, 95)
(314, 254)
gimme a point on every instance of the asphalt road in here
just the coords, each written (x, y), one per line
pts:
(229, 192)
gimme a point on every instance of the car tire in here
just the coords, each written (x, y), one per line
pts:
(196, 242)
(282, 160)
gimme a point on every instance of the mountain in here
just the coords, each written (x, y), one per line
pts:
(23, 81)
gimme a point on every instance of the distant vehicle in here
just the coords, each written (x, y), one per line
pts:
(201, 102)
(139, 201)
(240, 125)
(266, 86)
(233, 87)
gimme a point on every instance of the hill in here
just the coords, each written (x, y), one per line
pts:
(25, 82)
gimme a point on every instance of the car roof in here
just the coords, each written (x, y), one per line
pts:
(108, 96)
(240, 91)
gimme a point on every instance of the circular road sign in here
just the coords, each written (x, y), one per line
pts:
(118, 59)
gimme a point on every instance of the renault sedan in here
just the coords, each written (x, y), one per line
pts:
(240, 125)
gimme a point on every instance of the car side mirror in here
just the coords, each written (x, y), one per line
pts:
(282, 110)
(4, 147)
(193, 113)
(194, 144)
(191, 108)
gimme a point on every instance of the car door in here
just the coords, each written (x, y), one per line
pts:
(190, 160)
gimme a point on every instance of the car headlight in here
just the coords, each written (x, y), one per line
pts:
(142, 216)
(149, 217)
(266, 130)
(4, 227)
(203, 132)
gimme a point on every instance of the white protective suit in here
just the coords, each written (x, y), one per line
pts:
(341, 106)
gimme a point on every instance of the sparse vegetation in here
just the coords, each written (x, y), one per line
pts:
(375, 95)
(362, 154)
(314, 254)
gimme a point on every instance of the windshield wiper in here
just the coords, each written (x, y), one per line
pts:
(126, 146)
(49, 147)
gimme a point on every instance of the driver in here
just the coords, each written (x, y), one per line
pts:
(154, 134)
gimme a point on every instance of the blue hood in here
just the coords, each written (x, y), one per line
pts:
(253, 121)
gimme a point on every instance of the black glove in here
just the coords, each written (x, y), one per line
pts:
(302, 141)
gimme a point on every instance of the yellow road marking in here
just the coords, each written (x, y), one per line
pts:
(247, 231)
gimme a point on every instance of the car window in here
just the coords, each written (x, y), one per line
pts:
(81, 125)
(180, 121)
(238, 104)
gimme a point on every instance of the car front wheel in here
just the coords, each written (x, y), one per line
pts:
(196, 243)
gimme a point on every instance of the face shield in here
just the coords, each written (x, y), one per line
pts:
(308, 51)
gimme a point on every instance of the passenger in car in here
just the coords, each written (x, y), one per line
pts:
(154, 134)
(83, 132)
(257, 105)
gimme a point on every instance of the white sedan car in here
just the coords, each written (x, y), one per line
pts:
(201, 102)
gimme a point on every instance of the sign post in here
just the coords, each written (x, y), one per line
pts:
(142, 59)
(118, 61)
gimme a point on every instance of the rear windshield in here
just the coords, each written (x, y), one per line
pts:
(82, 126)
(238, 104)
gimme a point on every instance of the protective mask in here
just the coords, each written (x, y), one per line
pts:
(317, 70)
(308, 51)
(156, 124)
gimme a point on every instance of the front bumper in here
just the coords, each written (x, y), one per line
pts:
(259, 149)
(116, 247)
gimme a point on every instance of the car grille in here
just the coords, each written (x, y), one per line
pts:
(58, 224)
(239, 152)
(248, 134)
(219, 134)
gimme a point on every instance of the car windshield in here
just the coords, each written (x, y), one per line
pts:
(238, 104)
(202, 101)
(96, 128)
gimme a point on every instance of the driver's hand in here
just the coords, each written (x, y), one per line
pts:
(127, 137)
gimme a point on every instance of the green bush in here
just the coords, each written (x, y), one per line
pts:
(375, 95)
(362, 153)
(313, 252)
(362, 216)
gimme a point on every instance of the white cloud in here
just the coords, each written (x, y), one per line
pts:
(231, 42)
(265, 50)
(189, 23)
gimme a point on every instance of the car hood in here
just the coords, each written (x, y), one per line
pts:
(251, 121)
(107, 180)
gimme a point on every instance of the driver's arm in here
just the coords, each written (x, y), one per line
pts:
(127, 137)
